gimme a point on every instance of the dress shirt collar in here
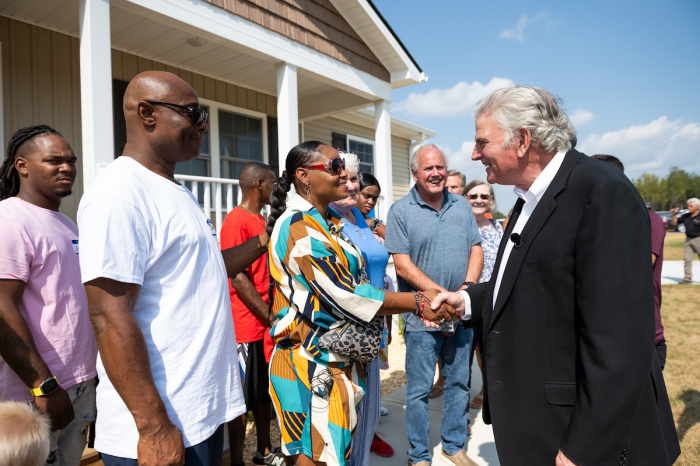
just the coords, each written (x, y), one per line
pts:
(534, 194)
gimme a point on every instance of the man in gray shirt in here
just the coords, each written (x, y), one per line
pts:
(436, 244)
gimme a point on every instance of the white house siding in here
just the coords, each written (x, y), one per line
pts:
(400, 171)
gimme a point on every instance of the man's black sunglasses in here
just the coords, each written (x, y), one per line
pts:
(197, 116)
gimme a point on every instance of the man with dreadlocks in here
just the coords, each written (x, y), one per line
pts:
(47, 347)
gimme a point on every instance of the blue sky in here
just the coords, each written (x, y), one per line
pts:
(629, 73)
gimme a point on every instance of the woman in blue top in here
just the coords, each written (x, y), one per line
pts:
(376, 259)
(480, 196)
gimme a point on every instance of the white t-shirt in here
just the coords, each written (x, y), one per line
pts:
(138, 227)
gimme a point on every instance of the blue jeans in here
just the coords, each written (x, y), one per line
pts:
(208, 453)
(422, 350)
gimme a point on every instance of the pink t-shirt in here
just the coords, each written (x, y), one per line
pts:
(40, 247)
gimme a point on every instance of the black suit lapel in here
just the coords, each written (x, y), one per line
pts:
(534, 224)
(488, 303)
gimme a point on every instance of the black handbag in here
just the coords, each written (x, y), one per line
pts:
(358, 341)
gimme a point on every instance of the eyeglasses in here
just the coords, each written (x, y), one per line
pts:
(197, 116)
(334, 166)
(473, 197)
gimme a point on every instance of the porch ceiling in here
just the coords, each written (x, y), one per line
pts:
(161, 39)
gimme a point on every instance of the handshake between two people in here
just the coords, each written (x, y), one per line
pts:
(444, 307)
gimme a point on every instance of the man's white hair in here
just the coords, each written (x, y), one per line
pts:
(24, 435)
(693, 200)
(424, 147)
(533, 108)
(352, 163)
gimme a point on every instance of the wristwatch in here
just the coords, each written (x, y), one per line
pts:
(46, 388)
(468, 284)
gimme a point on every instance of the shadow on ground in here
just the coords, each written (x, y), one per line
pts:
(691, 413)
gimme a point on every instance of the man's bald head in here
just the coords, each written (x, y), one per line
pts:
(159, 123)
(252, 172)
(155, 85)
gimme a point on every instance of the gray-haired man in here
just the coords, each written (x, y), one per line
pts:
(436, 244)
(571, 372)
(691, 221)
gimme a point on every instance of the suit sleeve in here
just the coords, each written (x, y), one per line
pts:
(614, 305)
(477, 295)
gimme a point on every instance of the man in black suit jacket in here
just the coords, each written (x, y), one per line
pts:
(570, 369)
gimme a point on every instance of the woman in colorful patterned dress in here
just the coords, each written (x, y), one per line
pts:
(480, 196)
(315, 272)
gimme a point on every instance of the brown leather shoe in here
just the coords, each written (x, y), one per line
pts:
(420, 463)
(460, 458)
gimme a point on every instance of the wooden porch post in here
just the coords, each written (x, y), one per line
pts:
(95, 88)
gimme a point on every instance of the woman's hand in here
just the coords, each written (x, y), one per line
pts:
(437, 316)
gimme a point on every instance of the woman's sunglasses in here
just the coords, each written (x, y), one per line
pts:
(484, 197)
(334, 166)
(197, 116)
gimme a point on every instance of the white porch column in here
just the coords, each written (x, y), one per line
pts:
(95, 88)
(287, 111)
(382, 141)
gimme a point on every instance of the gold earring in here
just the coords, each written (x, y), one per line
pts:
(308, 191)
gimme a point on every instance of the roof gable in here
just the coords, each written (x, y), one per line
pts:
(316, 24)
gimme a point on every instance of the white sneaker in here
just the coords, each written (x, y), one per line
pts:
(383, 411)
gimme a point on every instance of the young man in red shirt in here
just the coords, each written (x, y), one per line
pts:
(250, 308)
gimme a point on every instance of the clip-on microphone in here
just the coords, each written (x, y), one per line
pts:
(517, 240)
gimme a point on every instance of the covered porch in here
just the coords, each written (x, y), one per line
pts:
(284, 63)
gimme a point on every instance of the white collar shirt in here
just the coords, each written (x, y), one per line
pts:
(531, 197)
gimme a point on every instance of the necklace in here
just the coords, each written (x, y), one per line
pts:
(251, 213)
(353, 224)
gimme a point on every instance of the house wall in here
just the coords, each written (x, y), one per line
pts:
(41, 84)
(125, 66)
(316, 24)
(322, 129)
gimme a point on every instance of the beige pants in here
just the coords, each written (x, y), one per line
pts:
(692, 247)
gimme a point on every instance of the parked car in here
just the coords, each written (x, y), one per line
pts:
(668, 223)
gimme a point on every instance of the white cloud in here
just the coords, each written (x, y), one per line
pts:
(653, 147)
(518, 31)
(458, 100)
(581, 117)
(461, 158)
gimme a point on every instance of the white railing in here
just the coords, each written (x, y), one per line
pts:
(213, 187)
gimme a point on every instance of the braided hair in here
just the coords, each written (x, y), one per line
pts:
(300, 156)
(9, 176)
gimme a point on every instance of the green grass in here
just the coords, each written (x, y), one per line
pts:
(681, 320)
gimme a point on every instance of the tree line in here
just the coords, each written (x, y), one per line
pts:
(671, 191)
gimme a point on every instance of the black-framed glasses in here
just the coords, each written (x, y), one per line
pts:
(197, 116)
(334, 166)
(473, 197)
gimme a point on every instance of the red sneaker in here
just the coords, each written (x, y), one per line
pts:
(380, 447)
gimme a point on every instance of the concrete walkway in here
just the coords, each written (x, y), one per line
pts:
(672, 272)
(480, 445)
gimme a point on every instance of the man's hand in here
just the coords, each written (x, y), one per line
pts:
(674, 211)
(161, 445)
(456, 300)
(437, 313)
(562, 460)
(58, 407)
